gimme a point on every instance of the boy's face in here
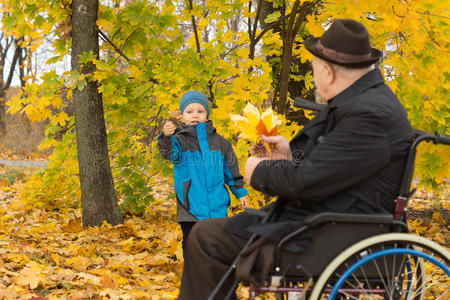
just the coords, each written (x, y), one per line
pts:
(194, 113)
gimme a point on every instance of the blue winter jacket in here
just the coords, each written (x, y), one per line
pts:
(203, 162)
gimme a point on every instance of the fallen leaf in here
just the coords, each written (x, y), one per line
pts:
(108, 282)
(74, 226)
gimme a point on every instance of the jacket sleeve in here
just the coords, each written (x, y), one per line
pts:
(357, 148)
(233, 179)
(169, 147)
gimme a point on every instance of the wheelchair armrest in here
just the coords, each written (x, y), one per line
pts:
(348, 217)
(256, 212)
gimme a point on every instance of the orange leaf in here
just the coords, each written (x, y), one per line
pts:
(108, 282)
(261, 128)
(273, 132)
(435, 216)
(73, 226)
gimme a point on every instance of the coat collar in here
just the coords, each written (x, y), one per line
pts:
(369, 80)
(192, 129)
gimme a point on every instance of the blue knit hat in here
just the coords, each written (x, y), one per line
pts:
(194, 97)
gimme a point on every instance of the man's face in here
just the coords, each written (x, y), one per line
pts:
(318, 72)
(194, 113)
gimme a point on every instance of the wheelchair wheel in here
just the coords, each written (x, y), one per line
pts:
(392, 266)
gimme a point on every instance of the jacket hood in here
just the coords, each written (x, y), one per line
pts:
(192, 129)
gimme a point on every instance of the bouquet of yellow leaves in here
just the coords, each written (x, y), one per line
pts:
(253, 124)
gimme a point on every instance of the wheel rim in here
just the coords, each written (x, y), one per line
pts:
(411, 276)
(401, 288)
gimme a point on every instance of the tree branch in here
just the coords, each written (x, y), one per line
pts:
(106, 39)
(430, 14)
(271, 26)
(223, 55)
(429, 34)
(286, 60)
(298, 15)
(194, 25)
(13, 66)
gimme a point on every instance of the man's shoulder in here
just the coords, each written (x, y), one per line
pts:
(379, 105)
(380, 102)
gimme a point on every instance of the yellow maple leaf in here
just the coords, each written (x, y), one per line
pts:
(32, 275)
(28, 277)
(253, 124)
(74, 226)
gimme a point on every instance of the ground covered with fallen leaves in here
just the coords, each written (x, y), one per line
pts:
(48, 255)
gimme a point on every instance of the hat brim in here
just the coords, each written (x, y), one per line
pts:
(311, 46)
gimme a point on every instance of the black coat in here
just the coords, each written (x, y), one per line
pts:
(349, 158)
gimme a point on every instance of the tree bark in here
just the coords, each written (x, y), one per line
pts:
(98, 197)
(288, 27)
(5, 85)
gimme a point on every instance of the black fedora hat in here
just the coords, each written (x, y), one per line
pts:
(345, 43)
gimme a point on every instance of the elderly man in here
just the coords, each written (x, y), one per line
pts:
(349, 158)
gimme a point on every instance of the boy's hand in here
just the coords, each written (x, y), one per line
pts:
(243, 202)
(169, 128)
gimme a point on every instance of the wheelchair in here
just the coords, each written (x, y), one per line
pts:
(377, 259)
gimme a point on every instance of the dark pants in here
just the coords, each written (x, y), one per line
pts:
(186, 228)
(209, 252)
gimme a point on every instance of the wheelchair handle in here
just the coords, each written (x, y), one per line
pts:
(442, 138)
(302, 103)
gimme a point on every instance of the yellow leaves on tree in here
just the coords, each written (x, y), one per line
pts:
(253, 124)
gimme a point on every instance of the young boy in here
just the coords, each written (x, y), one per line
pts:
(203, 162)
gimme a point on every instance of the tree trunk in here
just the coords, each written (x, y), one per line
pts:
(288, 29)
(98, 197)
(4, 85)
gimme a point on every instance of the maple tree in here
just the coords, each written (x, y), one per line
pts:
(98, 196)
(152, 52)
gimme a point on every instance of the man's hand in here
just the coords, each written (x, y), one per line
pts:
(281, 149)
(259, 150)
(250, 166)
(244, 203)
(169, 128)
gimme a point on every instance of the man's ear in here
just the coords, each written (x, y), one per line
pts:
(330, 76)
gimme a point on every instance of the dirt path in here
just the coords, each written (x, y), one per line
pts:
(24, 163)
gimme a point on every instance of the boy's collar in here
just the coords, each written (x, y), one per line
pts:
(193, 128)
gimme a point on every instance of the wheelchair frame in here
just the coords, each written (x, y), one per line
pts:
(347, 274)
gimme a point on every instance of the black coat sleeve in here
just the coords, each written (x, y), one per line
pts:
(355, 149)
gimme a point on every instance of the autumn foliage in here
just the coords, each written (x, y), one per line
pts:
(152, 52)
(47, 254)
(253, 124)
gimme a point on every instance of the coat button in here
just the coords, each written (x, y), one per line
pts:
(320, 139)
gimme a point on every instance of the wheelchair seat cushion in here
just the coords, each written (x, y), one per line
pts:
(257, 262)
